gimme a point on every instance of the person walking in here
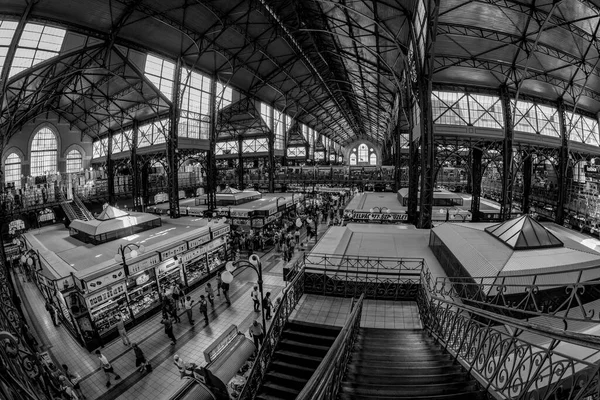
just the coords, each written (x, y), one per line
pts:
(268, 305)
(255, 295)
(219, 284)
(225, 288)
(172, 310)
(74, 379)
(188, 308)
(168, 323)
(122, 331)
(204, 308)
(210, 294)
(52, 310)
(107, 368)
(257, 333)
(175, 293)
(140, 359)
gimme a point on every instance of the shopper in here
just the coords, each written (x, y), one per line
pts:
(188, 308)
(52, 310)
(175, 293)
(204, 308)
(255, 295)
(122, 331)
(168, 323)
(210, 294)
(268, 305)
(225, 288)
(257, 333)
(140, 359)
(219, 284)
(66, 389)
(172, 310)
(75, 379)
(107, 368)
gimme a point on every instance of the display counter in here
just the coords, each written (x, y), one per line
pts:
(228, 364)
(142, 292)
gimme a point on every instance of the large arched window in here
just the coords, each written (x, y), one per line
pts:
(12, 170)
(373, 159)
(74, 162)
(363, 153)
(44, 152)
(353, 159)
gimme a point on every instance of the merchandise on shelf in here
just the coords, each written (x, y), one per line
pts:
(168, 278)
(142, 291)
(196, 269)
(217, 257)
(105, 315)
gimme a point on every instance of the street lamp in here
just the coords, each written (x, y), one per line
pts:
(134, 251)
(277, 201)
(254, 263)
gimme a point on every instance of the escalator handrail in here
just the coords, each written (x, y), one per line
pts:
(325, 374)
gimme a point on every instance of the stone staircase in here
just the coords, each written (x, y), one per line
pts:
(404, 364)
(298, 354)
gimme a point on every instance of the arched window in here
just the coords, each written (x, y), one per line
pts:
(12, 170)
(352, 159)
(44, 152)
(363, 153)
(373, 159)
(74, 161)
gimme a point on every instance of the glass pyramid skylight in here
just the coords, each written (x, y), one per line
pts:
(524, 233)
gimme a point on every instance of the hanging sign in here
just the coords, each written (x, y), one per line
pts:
(199, 241)
(239, 214)
(105, 295)
(258, 223)
(144, 264)
(220, 232)
(180, 248)
(240, 221)
(391, 217)
(104, 281)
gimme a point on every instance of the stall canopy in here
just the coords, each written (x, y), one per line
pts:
(110, 220)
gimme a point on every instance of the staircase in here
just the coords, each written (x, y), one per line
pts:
(297, 356)
(404, 364)
(72, 210)
(82, 208)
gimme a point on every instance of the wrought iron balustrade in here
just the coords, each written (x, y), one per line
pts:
(513, 359)
(568, 298)
(325, 381)
(291, 295)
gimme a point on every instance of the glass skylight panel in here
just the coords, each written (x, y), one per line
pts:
(161, 73)
(7, 31)
(224, 96)
(37, 43)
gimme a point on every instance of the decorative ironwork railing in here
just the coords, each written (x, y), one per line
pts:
(511, 358)
(379, 278)
(569, 298)
(291, 295)
(22, 375)
(325, 381)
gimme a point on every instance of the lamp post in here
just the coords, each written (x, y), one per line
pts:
(254, 263)
(134, 250)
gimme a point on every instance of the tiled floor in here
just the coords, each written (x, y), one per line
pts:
(376, 313)
(192, 340)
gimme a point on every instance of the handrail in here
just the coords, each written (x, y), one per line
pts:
(325, 381)
(291, 295)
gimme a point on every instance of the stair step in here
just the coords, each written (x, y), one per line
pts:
(449, 396)
(324, 330)
(287, 380)
(308, 337)
(299, 358)
(304, 347)
(409, 357)
(273, 388)
(407, 369)
(405, 379)
(395, 347)
(408, 390)
(292, 368)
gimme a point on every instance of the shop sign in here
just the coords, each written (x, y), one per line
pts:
(194, 254)
(144, 264)
(290, 205)
(272, 211)
(65, 283)
(214, 244)
(240, 221)
(105, 295)
(199, 241)
(273, 218)
(258, 223)
(220, 232)
(104, 281)
(222, 213)
(592, 171)
(165, 255)
(239, 214)
(362, 216)
(166, 267)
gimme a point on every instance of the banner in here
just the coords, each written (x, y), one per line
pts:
(368, 216)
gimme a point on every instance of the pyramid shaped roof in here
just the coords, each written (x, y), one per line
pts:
(524, 233)
(229, 190)
(111, 212)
